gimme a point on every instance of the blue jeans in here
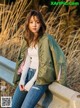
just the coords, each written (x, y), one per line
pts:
(23, 99)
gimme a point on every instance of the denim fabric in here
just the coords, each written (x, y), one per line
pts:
(23, 99)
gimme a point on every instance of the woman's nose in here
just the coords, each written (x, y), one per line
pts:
(34, 24)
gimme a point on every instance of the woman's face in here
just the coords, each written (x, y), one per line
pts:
(34, 24)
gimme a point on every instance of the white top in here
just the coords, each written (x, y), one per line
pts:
(30, 62)
(33, 54)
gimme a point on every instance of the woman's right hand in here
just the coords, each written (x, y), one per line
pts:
(21, 87)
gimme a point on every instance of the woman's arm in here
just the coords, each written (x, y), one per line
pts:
(20, 58)
(25, 70)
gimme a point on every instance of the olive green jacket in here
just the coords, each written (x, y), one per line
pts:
(51, 60)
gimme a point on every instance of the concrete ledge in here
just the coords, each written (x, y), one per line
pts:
(60, 96)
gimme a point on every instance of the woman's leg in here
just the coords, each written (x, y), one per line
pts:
(34, 95)
(18, 98)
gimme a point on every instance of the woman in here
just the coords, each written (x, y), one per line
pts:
(45, 63)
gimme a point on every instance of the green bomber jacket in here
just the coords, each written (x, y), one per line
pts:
(52, 61)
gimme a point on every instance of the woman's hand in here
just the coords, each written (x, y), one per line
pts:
(28, 85)
(21, 87)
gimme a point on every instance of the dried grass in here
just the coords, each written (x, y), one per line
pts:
(66, 33)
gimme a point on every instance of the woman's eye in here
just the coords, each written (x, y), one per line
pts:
(31, 22)
(38, 22)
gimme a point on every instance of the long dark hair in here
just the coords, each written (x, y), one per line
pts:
(29, 36)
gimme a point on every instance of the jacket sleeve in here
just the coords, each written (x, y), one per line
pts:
(59, 60)
(20, 58)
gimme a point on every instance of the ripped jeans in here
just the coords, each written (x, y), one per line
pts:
(23, 99)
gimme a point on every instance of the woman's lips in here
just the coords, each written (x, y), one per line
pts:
(34, 28)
